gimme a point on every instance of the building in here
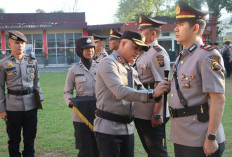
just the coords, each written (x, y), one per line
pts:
(51, 36)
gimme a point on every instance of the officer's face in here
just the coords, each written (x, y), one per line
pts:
(88, 52)
(99, 46)
(114, 44)
(17, 47)
(147, 34)
(131, 51)
(184, 33)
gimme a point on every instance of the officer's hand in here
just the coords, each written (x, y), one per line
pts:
(70, 103)
(3, 115)
(161, 88)
(156, 122)
(210, 147)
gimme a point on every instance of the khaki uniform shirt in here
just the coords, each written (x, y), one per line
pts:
(150, 67)
(101, 55)
(83, 80)
(19, 75)
(199, 73)
(114, 96)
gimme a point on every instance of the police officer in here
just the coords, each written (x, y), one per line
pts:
(226, 58)
(19, 107)
(81, 76)
(197, 89)
(100, 51)
(114, 39)
(117, 87)
(150, 67)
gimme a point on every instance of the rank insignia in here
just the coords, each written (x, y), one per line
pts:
(187, 85)
(9, 64)
(207, 47)
(160, 59)
(157, 48)
(119, 59)
(31, 70)
(192, 48)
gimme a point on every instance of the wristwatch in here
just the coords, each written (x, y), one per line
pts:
(211, 137)
(150, 93)
(157, 116)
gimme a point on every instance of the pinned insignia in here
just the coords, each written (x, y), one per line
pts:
(31, 70)
(177, 11)
(207, 47)
(9, 64)
(192, 48)
(186, 78)
(187, 85)
(124, 80)
(181, 62)
(193, 77)
(119, 59)
(157, 48)
(30, 62)
(31, 76)
(160, 59)
(182, 76)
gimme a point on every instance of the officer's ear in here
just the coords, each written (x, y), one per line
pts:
(196, 28)
(9, 44)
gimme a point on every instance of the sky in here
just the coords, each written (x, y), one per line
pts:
(96, 11)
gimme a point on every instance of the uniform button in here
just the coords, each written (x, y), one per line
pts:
(181, 62)
(182, 76)
(187, 85)
(194, 119)
(171, 95)
(186, 79)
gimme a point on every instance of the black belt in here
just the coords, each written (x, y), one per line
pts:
(188, 111)
(114, 117)
(21, 92)
(150, 85)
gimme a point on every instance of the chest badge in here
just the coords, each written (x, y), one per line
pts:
(9, 64)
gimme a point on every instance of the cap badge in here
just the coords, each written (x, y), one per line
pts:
(111, 31)
(88, 41)
(13, 37)
(140, 19)
(177, 9)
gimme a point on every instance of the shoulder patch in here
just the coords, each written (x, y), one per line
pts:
(157, 48)
(160, 59)
(215, 63)
(207, 47)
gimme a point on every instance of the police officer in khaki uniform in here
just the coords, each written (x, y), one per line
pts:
(117, 87)
(19, 107)
(114, 39)
(150, 67)
(100, 51)
(81, 76)
(197, 90)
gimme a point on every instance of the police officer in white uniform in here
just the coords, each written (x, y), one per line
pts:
(19, 106)
(197, 94)
(150, 66)
(100, 51)
(81, 76)
(117, 87)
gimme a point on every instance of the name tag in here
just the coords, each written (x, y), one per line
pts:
(30, 66)
(79, 75)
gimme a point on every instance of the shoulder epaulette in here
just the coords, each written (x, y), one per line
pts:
(207, 47)
(157, 48)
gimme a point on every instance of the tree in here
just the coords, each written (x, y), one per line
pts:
(129, 10)
(57, 11)
(40, 11)
(2, 10)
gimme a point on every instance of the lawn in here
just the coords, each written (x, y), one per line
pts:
(55, 129)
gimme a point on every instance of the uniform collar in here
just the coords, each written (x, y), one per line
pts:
(192, 48)
(94, 64)
(119, 58)
(153, 43)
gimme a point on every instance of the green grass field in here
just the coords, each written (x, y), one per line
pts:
(55, 130)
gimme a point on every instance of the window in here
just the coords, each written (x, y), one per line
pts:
(164, 34)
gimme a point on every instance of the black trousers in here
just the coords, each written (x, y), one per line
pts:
(181, 151)
(18, 120)
(227, 67)
(115, 145)
(151, 138)
(85, 140)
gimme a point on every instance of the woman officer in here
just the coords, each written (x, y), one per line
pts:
(81, 76)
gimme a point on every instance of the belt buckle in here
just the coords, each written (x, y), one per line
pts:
(170, 112)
